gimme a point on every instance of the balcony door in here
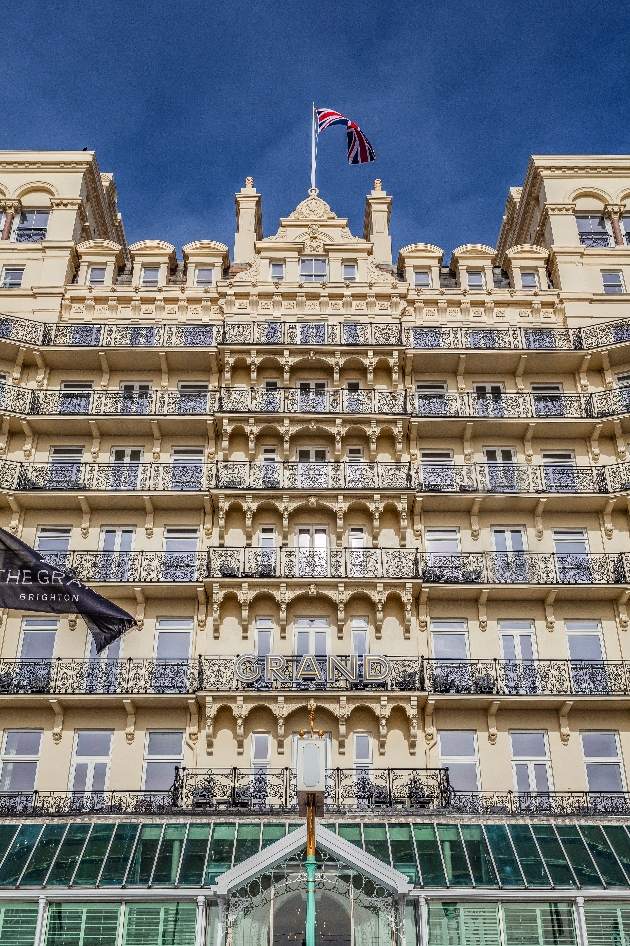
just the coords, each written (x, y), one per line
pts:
(313, 551)
(500, 469)
(312, 467)
(559, 471)
(75, 397)
(180, 554)
(547, 400)
(586, 653)
(115, 560)
(135, 397)
(489, 400)
(193, 397)
(530, 762)
(90, 766)
(572, 556)
(64, 468)
(312, 396)
(271, 468)
(311, 636)
(449, 671)
(125, 467)
(187, 468)
(510, 562)
(518, 650)
(438, 473)
(357, 555)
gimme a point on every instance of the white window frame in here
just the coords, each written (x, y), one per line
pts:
(26, 758)
(531, 761)
(613, 289)
(582, 533)
(611, 760)
(6, 283)
(456, 627)
(204, 282)
(152, 283)
(347, 264)
(448, 760)
(173, 625)
(48, 532)
(267, 533)
(585, 628)
(186, 532)
(469, 273)
(354, 454)
(312, 625)
(37, 625)
(534, 275)
(267, 626)
(446, 533)
(515, 629)
(364, 762)
(304, 277)
(422, 279)
(280, 273)
(509, 529)
(359, 626)
(91, 761)
(260, 765)
(91, 281)
(179, 760)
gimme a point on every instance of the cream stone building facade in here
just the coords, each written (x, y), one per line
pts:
(395, 486)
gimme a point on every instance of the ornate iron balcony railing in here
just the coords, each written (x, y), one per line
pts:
(597, 240)
(540, 803)
(281, 332)
(485, 677)
(293, 475)
(501, 568)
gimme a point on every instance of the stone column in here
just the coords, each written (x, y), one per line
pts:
(613, 213)
(11, 208)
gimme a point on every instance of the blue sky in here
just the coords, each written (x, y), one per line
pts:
(182, 100)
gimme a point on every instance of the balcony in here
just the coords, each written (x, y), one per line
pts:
(464, 404)
(333, 475)
(496, 568)
(316, 673)
(528, 804)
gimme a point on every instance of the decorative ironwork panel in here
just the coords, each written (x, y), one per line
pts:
(22, 330)
(123, 402)
(356, 333)
(191, 336)
(186, 402)
(238, 400)
(386, 333)
(234, 474)
(399, 563)
(487, 338)
(441, 405)
(225, 563)
(132, 336)
(268, 333)
(450, 569)
(79, 334)
(237, 333)
(548, 338)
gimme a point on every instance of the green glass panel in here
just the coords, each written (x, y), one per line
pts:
(7, 833)
(169, 855)
(194, 856)
(538, 924)
(507, 865)
(620, 843)
(19, 853)
(479, 858)
(375, 841)
(154, 924)
(294, 827)
(604, 858)
(529, 855)
(144, 856)
(220, 854)
(454, 856)
(429, 859)
(554, 856)
(403, 853)
(68, 855)
(463, 924)
(39, 864)
(18, 923)
(82, 924)
(352, 833)
(118, 856)
(93, 856)
(272, 833)
(247, 842)
(607, 924)
(577, 852)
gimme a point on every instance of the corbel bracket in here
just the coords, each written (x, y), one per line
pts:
(380, 601)
(563, 722)
(57, 709)
(148, 523)
(493, 709)
(607, 517)
(481, 606)
(412, 714)
(423, 610)
(550, 618)
(341, 610)
(279, 711)
(283, 611)
(461, 365)
(595, 454)
(193, 720)
(15, 518)
(85, 523)
(130, 728)
(4, 436)
(609, 381)
(429, 726)
(28, 439)
(583, 376)
(417, 516)
(96, 440)
(529, 433)
(538, 512)
(474, 519)
(208, 516)
(102, 357)
(164, 370)
(518, 374)
(17, 368)
(343, 717)
(622, 453)
(622, 608)
(243, 597)
(468, 453)
(41, 366)
(202, 607)
(157, 441)
(140, 604)
(216, 610)
(211, 712)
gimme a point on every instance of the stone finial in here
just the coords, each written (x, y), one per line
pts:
(378, 184)
(249, 182)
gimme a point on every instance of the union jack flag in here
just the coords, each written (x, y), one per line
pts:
(360, 151)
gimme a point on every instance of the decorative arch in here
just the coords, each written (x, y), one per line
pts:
(594, 192)
(45, 186)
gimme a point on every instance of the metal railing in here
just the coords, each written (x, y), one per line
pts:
(540, 803)
(512, 568)
(281, 332)
(343, 672)
(296, 475)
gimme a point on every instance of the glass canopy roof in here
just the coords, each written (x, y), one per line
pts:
(194, 853)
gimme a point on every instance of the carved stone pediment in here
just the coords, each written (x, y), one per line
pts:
(313, 208)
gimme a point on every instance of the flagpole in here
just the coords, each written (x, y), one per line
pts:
(313, 150)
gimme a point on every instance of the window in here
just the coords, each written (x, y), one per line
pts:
(422, 279)
(592, 230)
(559, 470)
(354, 455)
(362, 750)
(529, 280)
(203, 276)
(90, 767)
(458, 751)
(530, 762)
(264, 636)
(54, 542)
(441, 541)
(31, 226)
(500, 469)
(517, 640)
(96, 275)
(449, 640)
(38, 638)
(312, 542)
(612, 281)
(509, 540)
(584, 640)
(20, 755)
(602, 761)
(64, 470)
(311, 636)
(359, 636)
(437, 469)
(150, 275)
(261, 751)
(12, 277)
(277, 272)
(313, 269)
(115, 562)
(476, 279)
(349, 272)
(267, 537)
(164, 751)
(173, 638)
(180, 558)
(572, 556)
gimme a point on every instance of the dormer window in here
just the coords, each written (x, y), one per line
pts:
(313, 269)
(349, 272)
(96, 276)
(422, 279)
(203, 276)
(277, 271)
(476, 279)
(150, 275)
(529, 280)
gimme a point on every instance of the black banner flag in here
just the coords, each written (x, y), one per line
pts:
(29, 583)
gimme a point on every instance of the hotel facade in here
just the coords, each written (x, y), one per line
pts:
(390, 492)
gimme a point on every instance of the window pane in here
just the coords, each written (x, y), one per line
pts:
(449, 646)
(144, 855)
(538, 924)
(173, 645)
(194, 856)
(220, 852)
(528, 745)
(554, 855)
(165, 743)
(479, 855)
(18, 776)
(118, 856)
(429, 855)
(457, 743)
(599, 745)
(68, 855)
(93, 855)
(43, 855)
(93, 743)
(528, 855)
(19, 854)
(604, 858)
(604, 777)
(463, 776)
(463, 924)
(159, 776)
(37, 645)
(375, 841)
(18, 923)
(22, 742)
(579, 856)
(507, 865)
(167, 861)
(149, 924)
(82, 924)
(454, 857)
(607, 923)
(403, 853)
